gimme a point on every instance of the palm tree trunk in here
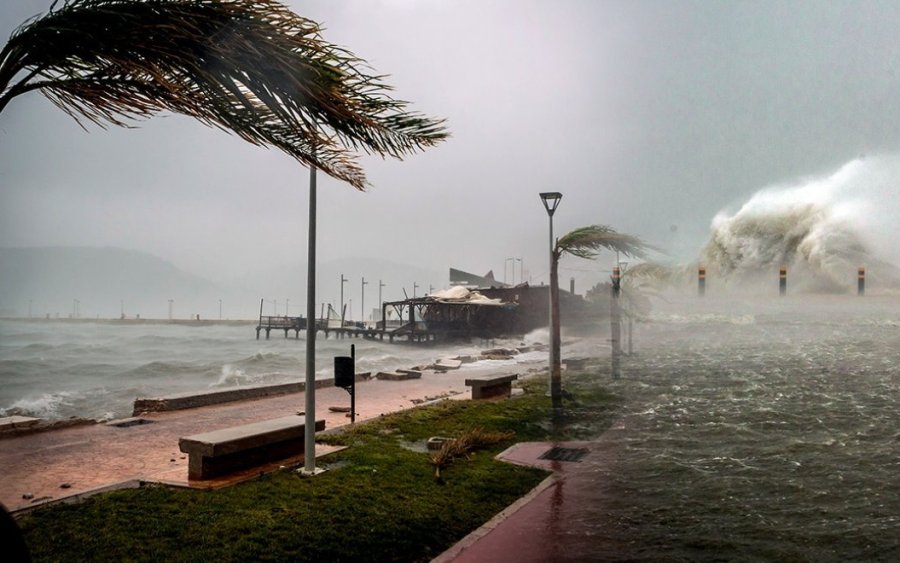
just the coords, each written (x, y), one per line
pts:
(555, 375)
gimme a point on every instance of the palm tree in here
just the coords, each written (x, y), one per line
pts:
(584, 242)
(251, 67)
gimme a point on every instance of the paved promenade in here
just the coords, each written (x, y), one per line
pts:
(51, 465)
(549, 524)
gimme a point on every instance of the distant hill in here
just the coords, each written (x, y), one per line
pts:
(102, 280)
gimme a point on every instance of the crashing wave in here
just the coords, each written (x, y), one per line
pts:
(817, 230)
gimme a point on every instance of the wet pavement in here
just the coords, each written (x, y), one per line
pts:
(553, 522)
(48, 466)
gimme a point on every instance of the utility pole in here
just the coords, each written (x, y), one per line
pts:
(343, 281)
(380, 301)
(415, 286)
(362, 305)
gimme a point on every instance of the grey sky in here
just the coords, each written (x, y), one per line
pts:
(644, 114)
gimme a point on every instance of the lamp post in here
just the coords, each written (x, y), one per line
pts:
(343, 281)
(309, 433)
(380, 285)
(415, 287)
(521, 270)
(551, 202)
(362, 304)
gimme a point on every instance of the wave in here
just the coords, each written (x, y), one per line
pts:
(820, 229)
(46, 405)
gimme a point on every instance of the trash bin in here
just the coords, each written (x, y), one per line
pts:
(344, 375)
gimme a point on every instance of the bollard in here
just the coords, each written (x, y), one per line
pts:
(782, 281)
(861, 281)
(701, 281)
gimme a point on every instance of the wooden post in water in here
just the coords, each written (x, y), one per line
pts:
(861, 281)
(701, 281)
(782, 281)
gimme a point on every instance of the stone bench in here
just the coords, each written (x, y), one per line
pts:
(495, 386)
(216, 453)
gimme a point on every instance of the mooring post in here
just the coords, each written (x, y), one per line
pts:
(782, 281)
(701, 281)
(861, 281)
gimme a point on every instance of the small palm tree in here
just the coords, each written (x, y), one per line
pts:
(252, 67)
(584, 242)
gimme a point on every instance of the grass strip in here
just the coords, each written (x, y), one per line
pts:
(379, 500)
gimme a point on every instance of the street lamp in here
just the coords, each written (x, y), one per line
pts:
(362, 304)
(521, 270)
(343, 281)
(309, 433)
(551, 202)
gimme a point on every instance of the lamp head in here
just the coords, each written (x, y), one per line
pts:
(551, 201)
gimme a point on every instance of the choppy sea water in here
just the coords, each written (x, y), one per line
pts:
(60, 369)
(751, 431)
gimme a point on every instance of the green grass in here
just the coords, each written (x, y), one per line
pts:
(379, 501)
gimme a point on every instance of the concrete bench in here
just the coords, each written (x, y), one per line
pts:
(216, 453)
(487, 387)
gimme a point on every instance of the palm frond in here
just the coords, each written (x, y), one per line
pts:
(251, 67)
(586, 242)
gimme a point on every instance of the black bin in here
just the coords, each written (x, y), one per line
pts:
(343, 372)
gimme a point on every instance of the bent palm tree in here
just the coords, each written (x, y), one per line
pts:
(584, 242)
(248, 66)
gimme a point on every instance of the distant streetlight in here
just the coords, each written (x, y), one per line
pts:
(551, 202)
(380, 285)
(362, 305)
(343, 281)
(521, 270)
(415, 287)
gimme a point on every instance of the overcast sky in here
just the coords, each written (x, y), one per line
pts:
(648, 116)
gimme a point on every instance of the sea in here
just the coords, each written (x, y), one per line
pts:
(763, 429)
(750, 428)
(95, 369)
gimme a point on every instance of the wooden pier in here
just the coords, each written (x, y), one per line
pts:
(349, 330)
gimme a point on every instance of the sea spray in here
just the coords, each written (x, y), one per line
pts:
(821, 229)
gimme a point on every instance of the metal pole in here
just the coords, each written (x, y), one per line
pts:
(353, 386)
(343, 281)
(309, 434)
(362, 305)
(380, 285)
(551, 381)
(521, 270)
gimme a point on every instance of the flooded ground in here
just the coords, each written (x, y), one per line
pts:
(764, 430)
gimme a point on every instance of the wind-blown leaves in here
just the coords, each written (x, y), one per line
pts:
(252, 67)
(587, 242)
